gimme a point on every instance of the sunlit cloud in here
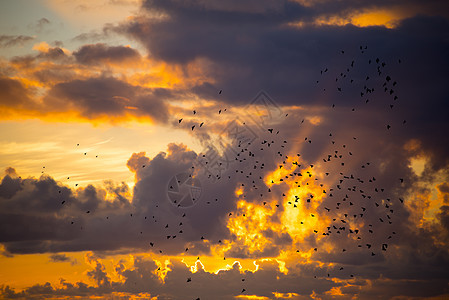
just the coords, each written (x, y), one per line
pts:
(331, 177)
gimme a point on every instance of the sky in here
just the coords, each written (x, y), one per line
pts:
(270, 149)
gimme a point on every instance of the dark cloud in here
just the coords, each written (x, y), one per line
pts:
(252, 50)
(402, 261)
(43, 201)
(55, 55)
(14, 94)
(52, 54)
(26, 202)
(58, 43)
(91, 96)
(444, 188)
(444, 216)
(100, 53)
(102, 96)
(55, 75)
(59, 258)
(26, 61)
(141, 278)
(14, 40)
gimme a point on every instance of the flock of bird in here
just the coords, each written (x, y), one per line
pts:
(350, 198)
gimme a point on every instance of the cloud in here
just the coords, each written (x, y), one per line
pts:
(261, 230)
(98, 53)
(286, 61)
(335, 178)
(13, 93)
(60, 212)
(101, 96)
(77, 85)
(95, 35)
(39, 25)
(60, 258)
(144, 278)
(7, 41)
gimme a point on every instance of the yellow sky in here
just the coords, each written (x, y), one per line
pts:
(31, 145)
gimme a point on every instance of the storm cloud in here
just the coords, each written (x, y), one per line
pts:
(333, 158)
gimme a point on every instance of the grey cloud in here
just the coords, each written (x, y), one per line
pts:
(52, 54)
(253, 51)
(59, 258)
(444, 217)
(150, 200)
(107, 95)
(14, 94)
(14, 40)
(98, 53)
(90, 36)
(95, 36)
(444, 188)
(141, 279)
(60, 213)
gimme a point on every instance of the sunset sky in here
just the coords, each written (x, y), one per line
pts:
(267, 149)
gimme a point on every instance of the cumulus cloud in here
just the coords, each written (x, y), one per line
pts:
(143, 279)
